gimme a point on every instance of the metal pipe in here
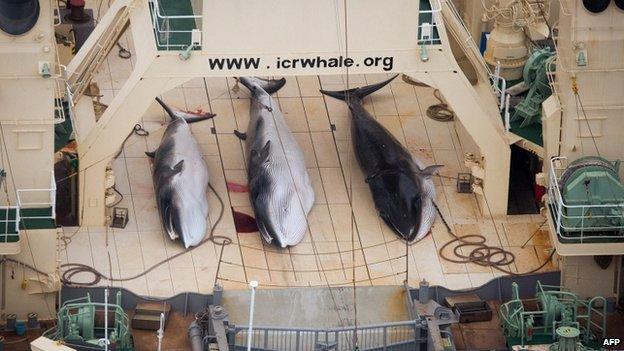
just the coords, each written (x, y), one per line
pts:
(253, 284)
(18, 16)
(106, 319)
(195, 337)
(161, 331)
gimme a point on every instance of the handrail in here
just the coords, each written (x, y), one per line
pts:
(157, 16)
(6, 221)
(329, 330)
(386, 336)
(468, 38)
(21, 193)
(433, 26)
(161, 16)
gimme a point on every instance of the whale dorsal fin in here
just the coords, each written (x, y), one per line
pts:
(260, 157)
(179, 167)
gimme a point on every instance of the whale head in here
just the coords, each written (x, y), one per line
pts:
(398, 198)
(281, 219)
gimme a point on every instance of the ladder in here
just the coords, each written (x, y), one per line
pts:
(79, 78)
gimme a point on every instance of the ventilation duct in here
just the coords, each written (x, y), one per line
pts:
(18, 16)
(596, 6)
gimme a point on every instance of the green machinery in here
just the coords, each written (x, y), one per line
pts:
(535, 75)
(592, 206)
(80, 325)
(555, 316)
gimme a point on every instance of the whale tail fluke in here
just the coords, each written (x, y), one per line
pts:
(268, 85)
(189, 117)
(357, 93)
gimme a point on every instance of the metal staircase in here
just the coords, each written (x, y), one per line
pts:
(80, 74)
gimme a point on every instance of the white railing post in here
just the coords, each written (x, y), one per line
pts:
(507, 114)
(161, 331)
(253, 284)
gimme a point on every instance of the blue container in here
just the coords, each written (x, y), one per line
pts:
(20, 328)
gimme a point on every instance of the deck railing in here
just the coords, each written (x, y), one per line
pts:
(9, 224)
(391, 336)
(38, 199)
(165, 27)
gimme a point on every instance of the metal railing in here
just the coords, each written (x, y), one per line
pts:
(38, 199)
(428, 32)
(391, 336)
(565, 223)
(9, 223)
(164, 28)
(465, 39)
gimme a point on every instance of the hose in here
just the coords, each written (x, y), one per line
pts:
(481, 254)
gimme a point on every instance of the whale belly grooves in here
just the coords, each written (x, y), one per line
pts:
(281, 192)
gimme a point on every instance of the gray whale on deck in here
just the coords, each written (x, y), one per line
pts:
(402, 188)
(180, 178)
(280, 189)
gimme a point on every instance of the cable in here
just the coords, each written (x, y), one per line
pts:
(121, 197)
(138, 130)
(23, 264)
(72, 269)
(11, 342)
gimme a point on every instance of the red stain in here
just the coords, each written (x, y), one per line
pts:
(237, 188)
(197, 112)
(244, 223)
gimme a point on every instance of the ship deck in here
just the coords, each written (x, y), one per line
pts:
(346, 243)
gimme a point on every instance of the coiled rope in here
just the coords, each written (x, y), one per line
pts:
(439, 112)
(482, 254)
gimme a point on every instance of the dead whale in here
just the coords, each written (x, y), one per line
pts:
(402, 188)
(280, 189)
(181, 178)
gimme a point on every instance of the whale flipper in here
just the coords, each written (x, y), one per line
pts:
(429, 170)
(240, 135)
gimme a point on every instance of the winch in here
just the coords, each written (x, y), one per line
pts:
(535, 75)
(593, 197)
(551, 317)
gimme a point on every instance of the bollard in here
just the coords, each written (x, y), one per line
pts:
(33, 322)
(10, 322)
(423, 292)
